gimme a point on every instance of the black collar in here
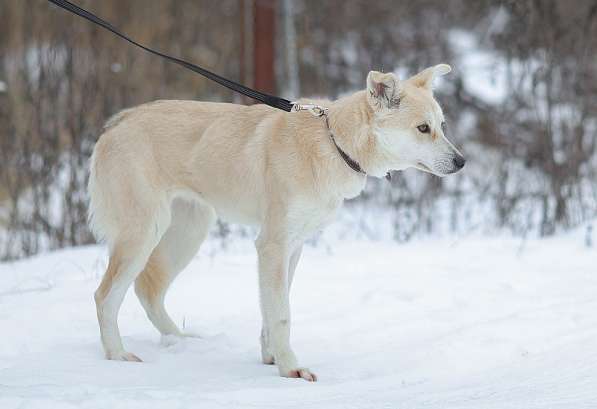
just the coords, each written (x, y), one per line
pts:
(353, 164)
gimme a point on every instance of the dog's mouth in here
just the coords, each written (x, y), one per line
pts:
(424, 168)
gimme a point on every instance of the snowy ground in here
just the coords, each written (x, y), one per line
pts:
(462, 323)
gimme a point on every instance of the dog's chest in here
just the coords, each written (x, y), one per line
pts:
(307, 217)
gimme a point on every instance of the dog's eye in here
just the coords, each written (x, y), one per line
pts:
(423, 128)
(444, 127)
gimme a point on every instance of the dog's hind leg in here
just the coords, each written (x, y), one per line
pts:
(130, 209)
(128, 257)
(190, 223)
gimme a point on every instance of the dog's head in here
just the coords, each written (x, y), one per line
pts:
(409, 125)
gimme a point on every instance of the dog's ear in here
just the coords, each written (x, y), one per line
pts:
(382, 90)
(425, 78)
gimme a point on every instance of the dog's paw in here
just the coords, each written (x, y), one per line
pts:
(267, 358)
(191, 334)
(124, 356)
(304, 373)
(170, 340)
(177, 340)
(174, 343)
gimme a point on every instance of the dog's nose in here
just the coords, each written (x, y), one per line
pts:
(458, 161)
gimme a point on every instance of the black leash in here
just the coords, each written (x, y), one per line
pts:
(267, 99)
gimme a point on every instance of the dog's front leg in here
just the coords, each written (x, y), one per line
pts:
(274, 259)
(266, 356)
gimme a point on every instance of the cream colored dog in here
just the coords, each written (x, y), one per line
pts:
(162, 172)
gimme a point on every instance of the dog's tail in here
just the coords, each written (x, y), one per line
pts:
(96, 200)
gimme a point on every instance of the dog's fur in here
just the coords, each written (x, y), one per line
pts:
(163, 171)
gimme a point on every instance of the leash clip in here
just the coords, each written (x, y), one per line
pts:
(315, 110)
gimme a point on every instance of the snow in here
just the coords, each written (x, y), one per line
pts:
(466, 322)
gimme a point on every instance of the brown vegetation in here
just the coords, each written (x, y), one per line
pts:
(535, 151)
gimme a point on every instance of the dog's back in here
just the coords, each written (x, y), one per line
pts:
(149, 153)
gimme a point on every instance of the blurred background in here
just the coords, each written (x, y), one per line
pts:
(521, 101)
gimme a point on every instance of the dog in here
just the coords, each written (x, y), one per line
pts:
(161, 173)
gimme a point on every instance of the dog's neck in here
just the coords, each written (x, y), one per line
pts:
(350, 121)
